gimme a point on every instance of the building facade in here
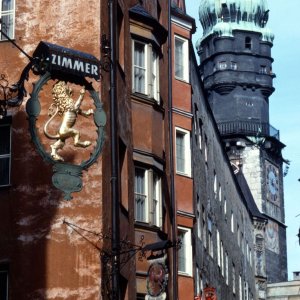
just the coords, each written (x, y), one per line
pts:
(164, 212)
(236, 67)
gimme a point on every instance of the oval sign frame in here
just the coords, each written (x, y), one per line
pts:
(67, 177)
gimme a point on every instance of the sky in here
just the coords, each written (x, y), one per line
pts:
(284, 107)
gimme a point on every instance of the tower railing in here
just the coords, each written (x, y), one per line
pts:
(248, 128)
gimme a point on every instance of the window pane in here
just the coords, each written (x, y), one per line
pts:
(3, 285)
(181, 253)
(139, 68)
(4, 171)
(4, 140)
(7, 5)
(140, 196)
(156, 200)
(180, 152)
(179, 65)
(154, 83)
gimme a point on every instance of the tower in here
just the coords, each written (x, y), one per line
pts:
(236, 68)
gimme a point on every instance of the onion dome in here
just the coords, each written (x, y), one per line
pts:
(221, 17)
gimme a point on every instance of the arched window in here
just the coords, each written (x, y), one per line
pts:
(248, 42)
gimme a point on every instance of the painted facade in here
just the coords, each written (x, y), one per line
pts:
(187, 224)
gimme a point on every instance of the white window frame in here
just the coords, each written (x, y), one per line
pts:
(218, 248)
(233, 279)
(186, 248)
(210, 242)
(187, 152)
(7, 13)
(232, 222)
(185, 59)
(240, 287)
(6, 156)
(226, 268)
(156, 206)
(153, 197)
(151, 69)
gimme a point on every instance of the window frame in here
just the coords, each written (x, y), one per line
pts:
(185, 59)
(187, 168)
(151, 69)
(9, 12)
(7, 155)
(188, 252)
(149, 192)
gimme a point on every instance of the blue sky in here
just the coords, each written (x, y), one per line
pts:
(284, 106)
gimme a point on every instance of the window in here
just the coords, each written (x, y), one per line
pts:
(238, 233)
(156, 200)
(233, 279)
(240, 287)
(233, 65)
(7, 15)
(222, 259)
(206, 149)
(246, 290)
(215, 184)
(218, 248)
(210, 239)
(181, 59)
(145, 70)
(148, 196)
(263, 70)
(248, 43)
(222, 65)
(232, 222)
(185, 251)
(204, 226)
(200, 133)
(183, 152)
(4, 282)
(226, 268)
(5, 154)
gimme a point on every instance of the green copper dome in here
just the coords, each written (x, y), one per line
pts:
(221, 17)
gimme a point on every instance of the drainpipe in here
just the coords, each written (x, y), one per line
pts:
(172, 192)
(115, 244)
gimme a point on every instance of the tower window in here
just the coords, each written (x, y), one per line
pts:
(233, 65)
(263, 70)
(248, 43)
(222, 65)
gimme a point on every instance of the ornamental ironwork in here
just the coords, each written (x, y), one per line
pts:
(67, 176)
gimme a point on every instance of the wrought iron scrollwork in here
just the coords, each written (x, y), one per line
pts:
(127, 251)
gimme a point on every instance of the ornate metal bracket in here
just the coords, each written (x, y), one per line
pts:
(127, 250)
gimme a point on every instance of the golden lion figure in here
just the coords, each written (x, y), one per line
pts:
(64, 105)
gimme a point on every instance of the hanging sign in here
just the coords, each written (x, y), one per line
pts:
(210, 293)
(66, 69)
(67, 60)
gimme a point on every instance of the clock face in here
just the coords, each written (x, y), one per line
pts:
(272, 181)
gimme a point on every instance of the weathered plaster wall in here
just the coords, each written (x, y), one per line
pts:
(47, 258)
